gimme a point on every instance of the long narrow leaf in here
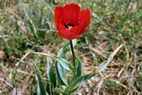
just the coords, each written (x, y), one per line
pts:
(40, 85)
(74, 84)
(78, 68)
(51, 74)
(61, 72)
(64, 63)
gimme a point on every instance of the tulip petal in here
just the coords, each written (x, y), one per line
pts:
(71, 13)
(84, 19)
(70, 21)
(58, 16)
(66, 33)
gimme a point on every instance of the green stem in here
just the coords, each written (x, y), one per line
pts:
(73, 54)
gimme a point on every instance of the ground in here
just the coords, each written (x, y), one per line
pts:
(111, 47)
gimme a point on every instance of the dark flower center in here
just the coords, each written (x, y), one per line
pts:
(68, 26)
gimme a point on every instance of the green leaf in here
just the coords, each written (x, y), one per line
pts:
(51, 74)
(58, 90)
(63, 50)
(40, 85)
(78, 68)
(64, 63)
(70, 88)
(61, 72)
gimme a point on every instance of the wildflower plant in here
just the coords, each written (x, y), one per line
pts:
(70, 22)
(65, 76)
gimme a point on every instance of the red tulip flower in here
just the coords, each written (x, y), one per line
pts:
(71, 21)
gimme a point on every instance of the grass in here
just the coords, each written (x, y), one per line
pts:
(27, 36)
